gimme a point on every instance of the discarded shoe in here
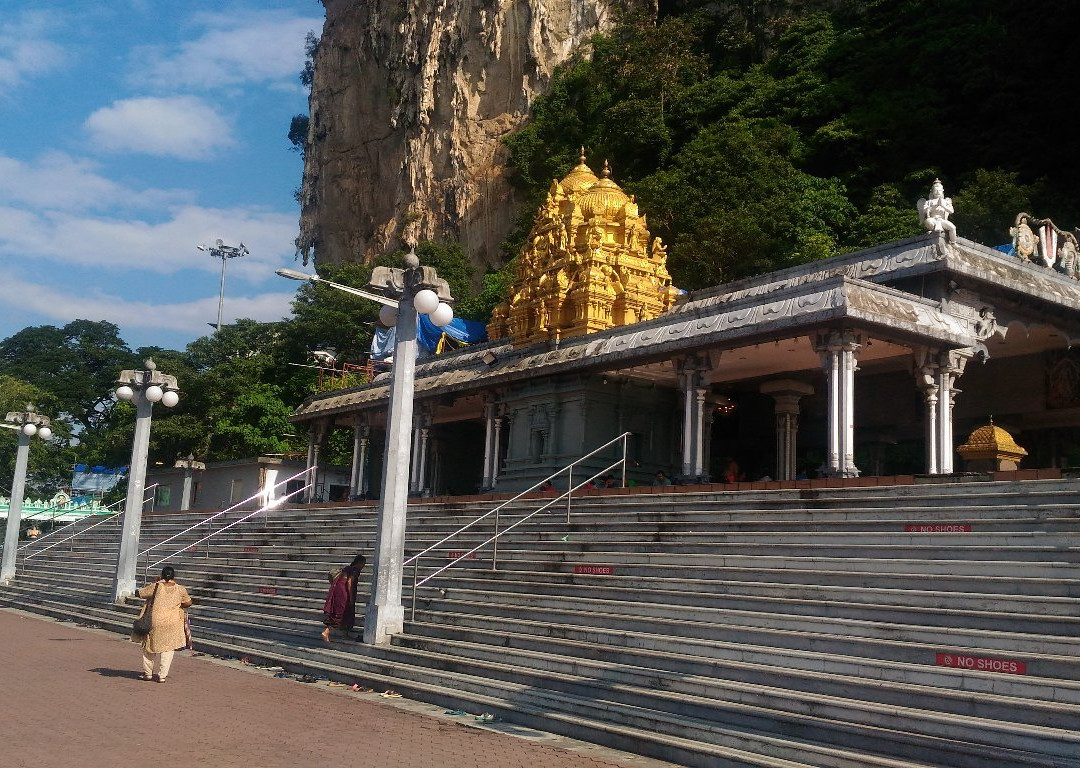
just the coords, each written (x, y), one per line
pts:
(388, 694)
(487, 717)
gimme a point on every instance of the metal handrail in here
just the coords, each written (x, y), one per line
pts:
(272, 505)
(570, 488)
(63, 528)
(225, 511)
(113, 516)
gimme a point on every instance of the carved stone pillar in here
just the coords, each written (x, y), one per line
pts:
(490, 445)
(926, 377)
(421, 482)
(414, 456)
(786, 395)
(839, 353)
(316, 435)
(695, 373)
(496, 453)
(950, 367)
(358, 476)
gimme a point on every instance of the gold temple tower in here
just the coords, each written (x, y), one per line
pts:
(588, 265)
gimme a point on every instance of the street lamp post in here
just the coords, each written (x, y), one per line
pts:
(28, 423)
(409, 290)
(224, 252)
(144, 388)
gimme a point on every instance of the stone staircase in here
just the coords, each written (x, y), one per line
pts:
(764, 628)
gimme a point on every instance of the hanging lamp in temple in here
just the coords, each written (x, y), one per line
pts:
(589, 264)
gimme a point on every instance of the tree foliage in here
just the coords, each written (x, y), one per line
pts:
(762, 134)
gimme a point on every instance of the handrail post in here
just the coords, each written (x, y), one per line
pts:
(495, 543)
(624, 440)
(412, 608)
(569, 491)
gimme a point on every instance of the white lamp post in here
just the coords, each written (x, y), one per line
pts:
(190, 466)
(410, 290)
(28, 423)
(224, 252)
(144, 388)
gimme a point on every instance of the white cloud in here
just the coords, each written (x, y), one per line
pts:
(164, 247)
(25, 50)
(234, 49)
(190, 317)
(183, 127)
(58, 181)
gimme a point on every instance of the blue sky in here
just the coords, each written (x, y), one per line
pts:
(132, 131)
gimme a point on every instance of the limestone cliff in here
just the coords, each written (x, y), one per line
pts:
(408, 104)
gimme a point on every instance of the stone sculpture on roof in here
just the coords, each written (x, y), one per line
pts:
(1052, 246)
(934, 212)
(589, 264)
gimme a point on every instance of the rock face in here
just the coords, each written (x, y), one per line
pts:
(408, 106)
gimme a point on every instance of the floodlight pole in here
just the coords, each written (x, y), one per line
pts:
(223, 252)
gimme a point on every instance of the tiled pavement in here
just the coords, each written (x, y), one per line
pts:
(69, 696)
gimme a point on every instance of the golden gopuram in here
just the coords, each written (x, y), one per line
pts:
(589, 264)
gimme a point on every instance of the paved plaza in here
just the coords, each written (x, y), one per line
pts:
(70, 696)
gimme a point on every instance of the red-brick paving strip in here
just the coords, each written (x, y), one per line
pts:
(70, 697)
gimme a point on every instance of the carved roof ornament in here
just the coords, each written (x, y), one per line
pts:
(934, 212)
(589, 264)
(1040, 241)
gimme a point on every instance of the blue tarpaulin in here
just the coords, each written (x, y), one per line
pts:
(96, 479)
(1007, 249)
(431, 337)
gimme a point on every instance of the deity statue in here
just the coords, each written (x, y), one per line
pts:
(934, 213)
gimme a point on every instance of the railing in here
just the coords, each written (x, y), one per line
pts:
(494, 539)
(278, 501)
(115, 517)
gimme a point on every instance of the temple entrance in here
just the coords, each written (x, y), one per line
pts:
(459, 458)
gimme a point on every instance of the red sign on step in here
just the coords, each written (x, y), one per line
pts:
(267, 590)
(458, 554)
(595, 570)
(982, 663)
(251, 549)
(937, 528)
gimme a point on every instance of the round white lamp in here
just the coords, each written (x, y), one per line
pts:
(44, 433)
(153, 393)
(442, 315)
(124, 392)
(387, 316)
(426, 301)
(170, 398)
(29, 429)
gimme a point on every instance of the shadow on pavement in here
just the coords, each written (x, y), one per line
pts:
(131, 674)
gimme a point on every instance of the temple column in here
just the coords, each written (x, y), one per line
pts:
(950, 368)
(786, 395)
(686, 387)
(490, 446)
(838, 351)
(851, 344)
(926, 377)
(316, 435)
(699, 432)
(414, 457)
(422, 483)
(358, 475)
(496, 457)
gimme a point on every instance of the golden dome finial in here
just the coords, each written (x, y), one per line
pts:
(581, 157)
(606, 173)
